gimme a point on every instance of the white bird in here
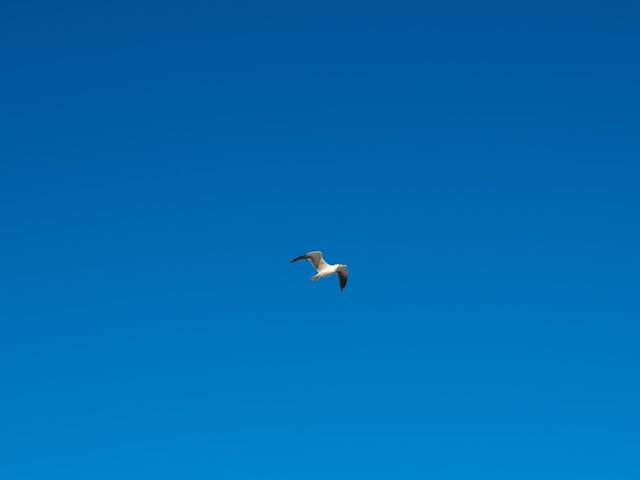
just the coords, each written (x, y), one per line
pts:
(323, 268)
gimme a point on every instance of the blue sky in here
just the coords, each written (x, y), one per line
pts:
(475, 165)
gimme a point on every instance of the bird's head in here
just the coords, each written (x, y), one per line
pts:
(342, 265)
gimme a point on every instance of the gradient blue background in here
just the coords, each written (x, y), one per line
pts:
(475, 164)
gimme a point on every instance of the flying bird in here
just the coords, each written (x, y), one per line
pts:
(324, 269)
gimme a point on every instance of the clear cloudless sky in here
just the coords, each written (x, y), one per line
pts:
(476, 164)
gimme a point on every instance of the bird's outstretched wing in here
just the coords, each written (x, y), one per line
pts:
(315, 258)
(343, 275)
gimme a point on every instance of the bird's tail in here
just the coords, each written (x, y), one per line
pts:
(315, 277)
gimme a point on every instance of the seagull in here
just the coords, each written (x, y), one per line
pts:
(323, 268)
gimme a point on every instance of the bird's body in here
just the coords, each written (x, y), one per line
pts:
(324, 269)
(325, 272)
